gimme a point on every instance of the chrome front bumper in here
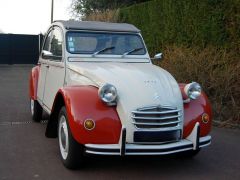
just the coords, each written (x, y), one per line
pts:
(192, 142)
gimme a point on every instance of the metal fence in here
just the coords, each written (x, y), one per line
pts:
(19, 49)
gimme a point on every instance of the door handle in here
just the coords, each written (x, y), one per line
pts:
(47, 66)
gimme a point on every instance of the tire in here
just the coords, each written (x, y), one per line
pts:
(36, 110)
(71, 151)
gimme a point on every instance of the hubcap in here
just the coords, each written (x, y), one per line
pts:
(32, 106)
(63, 137)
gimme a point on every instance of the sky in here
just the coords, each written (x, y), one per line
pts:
(31, 16)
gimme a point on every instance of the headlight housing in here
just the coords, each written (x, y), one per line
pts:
(193, 90)
(108, 94)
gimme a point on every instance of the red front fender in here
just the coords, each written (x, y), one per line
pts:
(193, 112)
(82, 102)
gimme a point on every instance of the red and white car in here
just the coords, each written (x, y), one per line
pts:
(105, 97)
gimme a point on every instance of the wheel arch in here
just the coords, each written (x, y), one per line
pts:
(193, 112)
(83, 102)
(51, 130)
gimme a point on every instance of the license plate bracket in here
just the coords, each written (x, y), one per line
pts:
(157, 136)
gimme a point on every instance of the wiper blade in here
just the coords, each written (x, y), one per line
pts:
(102, 50)
(131, 51)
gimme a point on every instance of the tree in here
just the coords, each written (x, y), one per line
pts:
(86, 7)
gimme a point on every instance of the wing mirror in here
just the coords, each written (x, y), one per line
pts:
(158, 56)
(46, 54)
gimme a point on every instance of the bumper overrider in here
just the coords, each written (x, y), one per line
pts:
(192, 142)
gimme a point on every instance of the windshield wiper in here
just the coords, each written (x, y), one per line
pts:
(102, 50)
(131, 51)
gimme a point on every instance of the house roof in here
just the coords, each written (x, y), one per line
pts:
(99, 26)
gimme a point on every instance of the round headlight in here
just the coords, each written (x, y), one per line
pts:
(108, 94)
(193, 90)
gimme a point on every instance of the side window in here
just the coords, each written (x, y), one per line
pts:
(56, 44)
(47, 42)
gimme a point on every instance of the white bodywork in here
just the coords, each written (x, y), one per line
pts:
(138, 82)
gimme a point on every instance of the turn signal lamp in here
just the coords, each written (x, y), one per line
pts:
(205, 118)
(89, 124)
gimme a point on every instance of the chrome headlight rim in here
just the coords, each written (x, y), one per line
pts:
(193, 90)
(108, 94)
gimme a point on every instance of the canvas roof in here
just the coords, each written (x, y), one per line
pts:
(99, 26)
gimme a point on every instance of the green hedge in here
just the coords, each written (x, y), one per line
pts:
(186, 22)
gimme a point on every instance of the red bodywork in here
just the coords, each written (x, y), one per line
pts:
(82, 102)
(33, 82)
(193, 112)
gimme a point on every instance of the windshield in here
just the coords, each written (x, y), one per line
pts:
(105, 43)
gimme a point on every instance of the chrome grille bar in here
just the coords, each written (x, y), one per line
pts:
(156, 118)
(155, 112)
(155, 124)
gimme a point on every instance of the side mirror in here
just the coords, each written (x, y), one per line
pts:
(46, 54)
(158, 56)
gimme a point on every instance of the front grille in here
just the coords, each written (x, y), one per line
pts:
(156, 117)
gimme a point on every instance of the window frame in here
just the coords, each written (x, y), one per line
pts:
(107, 32)
(45, 40)
(53, 57)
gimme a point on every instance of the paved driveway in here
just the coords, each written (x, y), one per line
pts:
(26, 154)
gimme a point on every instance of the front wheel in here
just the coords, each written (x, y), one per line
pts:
(36, 110)
(70, 150)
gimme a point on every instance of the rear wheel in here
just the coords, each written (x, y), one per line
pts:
(36, 110)
(71, 151)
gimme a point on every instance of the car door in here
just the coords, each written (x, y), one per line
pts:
(56, 71)
(43, 64)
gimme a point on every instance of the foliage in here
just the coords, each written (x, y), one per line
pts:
(216, 69)
(86, 7)
(107, 16)
(186, 22)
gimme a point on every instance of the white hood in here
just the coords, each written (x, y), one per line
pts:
(138, 85)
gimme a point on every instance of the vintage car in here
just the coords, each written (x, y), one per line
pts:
(105, 97)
